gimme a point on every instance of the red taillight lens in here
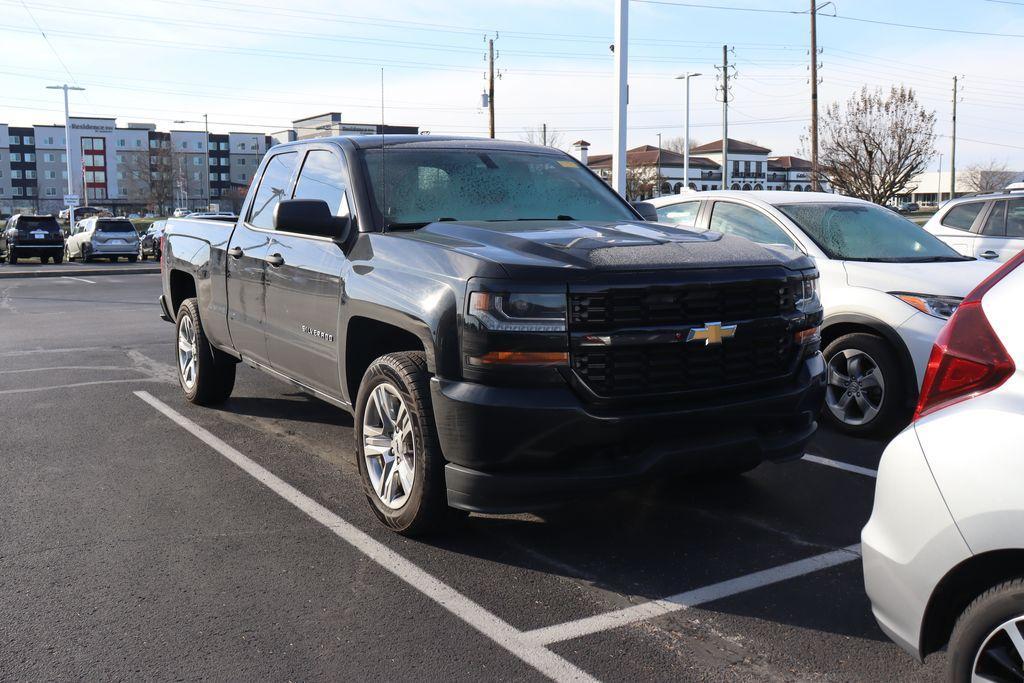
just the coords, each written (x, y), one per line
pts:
(968, 359)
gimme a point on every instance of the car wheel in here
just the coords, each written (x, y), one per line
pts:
(86, 256)
(59, 258)
(133, 258)
(988, 641)
(400, 460)
(12, 257)
(43, 259)
(206, 375)
(864, 395)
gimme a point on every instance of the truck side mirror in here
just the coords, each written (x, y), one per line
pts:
(310, 217)
(647, 211)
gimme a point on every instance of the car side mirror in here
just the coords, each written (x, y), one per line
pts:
(311, 217)
(647, 211)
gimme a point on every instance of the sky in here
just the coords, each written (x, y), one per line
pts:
(257, 66)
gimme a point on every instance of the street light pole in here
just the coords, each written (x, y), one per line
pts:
(686, 128)
(206, 126)
(67, 144)
(621, 96)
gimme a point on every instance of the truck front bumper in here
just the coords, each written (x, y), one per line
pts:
(511, 449)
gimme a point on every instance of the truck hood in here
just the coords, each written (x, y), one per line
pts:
(951, 278)
(589, 246)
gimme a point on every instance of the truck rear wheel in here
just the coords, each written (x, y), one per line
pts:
(206, 375)
(400, 460)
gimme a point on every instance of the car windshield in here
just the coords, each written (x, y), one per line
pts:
(867, 232)
(114, 226)
(423, 186)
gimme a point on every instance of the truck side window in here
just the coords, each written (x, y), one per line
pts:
(273, 187)
(736, 219)
(322, 177)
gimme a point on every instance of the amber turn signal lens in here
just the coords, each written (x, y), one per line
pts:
(521, 358)
(806, 335)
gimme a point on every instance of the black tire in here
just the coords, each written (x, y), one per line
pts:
(892, 409)
(59, 258)
(215, 370)
(133, 258)
(12, 256)
(425, 509)
(982, 617)
(86, 256)
(112, 259)
(142, 254)
(43, 259)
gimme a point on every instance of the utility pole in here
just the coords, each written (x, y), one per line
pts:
(206, 127)
(544, 134)
(490, 83)
(621, 50)
(815, 186)
(938, 195)
(725, 117)
(67, 144)
(952, 153)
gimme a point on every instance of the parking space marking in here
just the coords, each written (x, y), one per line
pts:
(674, 603)
(32, 390)
(499, 631)
(818, 460)
(79, 279)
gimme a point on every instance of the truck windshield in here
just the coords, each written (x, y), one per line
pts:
(867, 232)
(424, 186)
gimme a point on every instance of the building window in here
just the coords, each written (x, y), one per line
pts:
(195, 175)
(154, 144)
(199, 145)
(224, 147)
(29, 156)
(120, 142)
(15, 156)
(49, 140)
(155, 175)
(138, 143)
(211, 146)
(240, 162)
(224, 161)
(16, 174)
(225, 177)
(51, 192)
(49, 158)
(63, 175)
(63, 158)
(242, 177)
(30, 192)
(30, 175)
(51, 175)
(30, 140)
(197, 161)
(120, 175)
(184, 144)
(14, 139)
(18, 191)
(213, 176)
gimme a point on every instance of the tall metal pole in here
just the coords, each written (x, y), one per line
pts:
(206, 126)
(725, 117)
(490, 83)
(621, 96)
(544, 134)
(815, 185)
(952, 153)
(686, 128)
(67, 144)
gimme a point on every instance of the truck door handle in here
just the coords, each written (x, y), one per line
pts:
(988, 254)
(275, 260)
(236, 252)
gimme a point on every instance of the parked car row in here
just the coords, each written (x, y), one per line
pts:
(98, 237)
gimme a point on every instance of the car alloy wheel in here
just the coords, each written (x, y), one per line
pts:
(856, 387)
(187, 359)
(388, 446)
(1001, 656)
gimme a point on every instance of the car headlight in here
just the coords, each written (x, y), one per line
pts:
(808, 299)
(937, 306)
(519, 311)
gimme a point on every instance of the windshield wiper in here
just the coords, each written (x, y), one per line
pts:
(938, 259)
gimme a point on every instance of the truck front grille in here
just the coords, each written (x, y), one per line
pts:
(761, 350)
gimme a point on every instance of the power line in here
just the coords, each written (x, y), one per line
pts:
(48, 43)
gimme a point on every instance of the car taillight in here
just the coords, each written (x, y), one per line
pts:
(968, 359)
(161, 252)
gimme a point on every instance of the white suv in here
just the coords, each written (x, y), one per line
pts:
(987, 226)
(108, 238)
(887, 287)
(944, 549)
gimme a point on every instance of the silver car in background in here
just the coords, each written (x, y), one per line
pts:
(108, 238)
(944, 548)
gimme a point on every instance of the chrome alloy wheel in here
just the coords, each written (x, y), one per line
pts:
(388, 446)
(855, 387)
(1001, 656)
(188, 363)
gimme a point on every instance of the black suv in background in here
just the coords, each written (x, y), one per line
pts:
(27, 236)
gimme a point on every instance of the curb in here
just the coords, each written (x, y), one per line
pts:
(79, 272)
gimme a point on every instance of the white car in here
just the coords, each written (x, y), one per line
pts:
(887, 287)
(944, 548)
(108, 238)
(181, 213)
(989, 226)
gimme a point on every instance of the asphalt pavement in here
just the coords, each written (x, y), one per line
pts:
(145, 538)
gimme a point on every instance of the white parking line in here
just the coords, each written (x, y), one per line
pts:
(818, 460)
(79, 279)
(498, 630)
(681, 601)
(32, 390)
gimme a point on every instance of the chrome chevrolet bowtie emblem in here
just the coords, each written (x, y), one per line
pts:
(711, 333)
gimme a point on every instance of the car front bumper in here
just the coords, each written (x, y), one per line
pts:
(516, 449)
(910, 542)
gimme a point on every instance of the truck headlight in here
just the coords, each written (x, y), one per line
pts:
(937, 306)
(519, 311)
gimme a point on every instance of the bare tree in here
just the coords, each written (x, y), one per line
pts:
(161, 183)
(535, 136)
(678, 144)
(875, 143)
(990, 176)
(641, 181)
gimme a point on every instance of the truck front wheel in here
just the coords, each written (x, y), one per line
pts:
(206, 375)
(400, 460)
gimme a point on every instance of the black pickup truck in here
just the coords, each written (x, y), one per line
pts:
(507, 332)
